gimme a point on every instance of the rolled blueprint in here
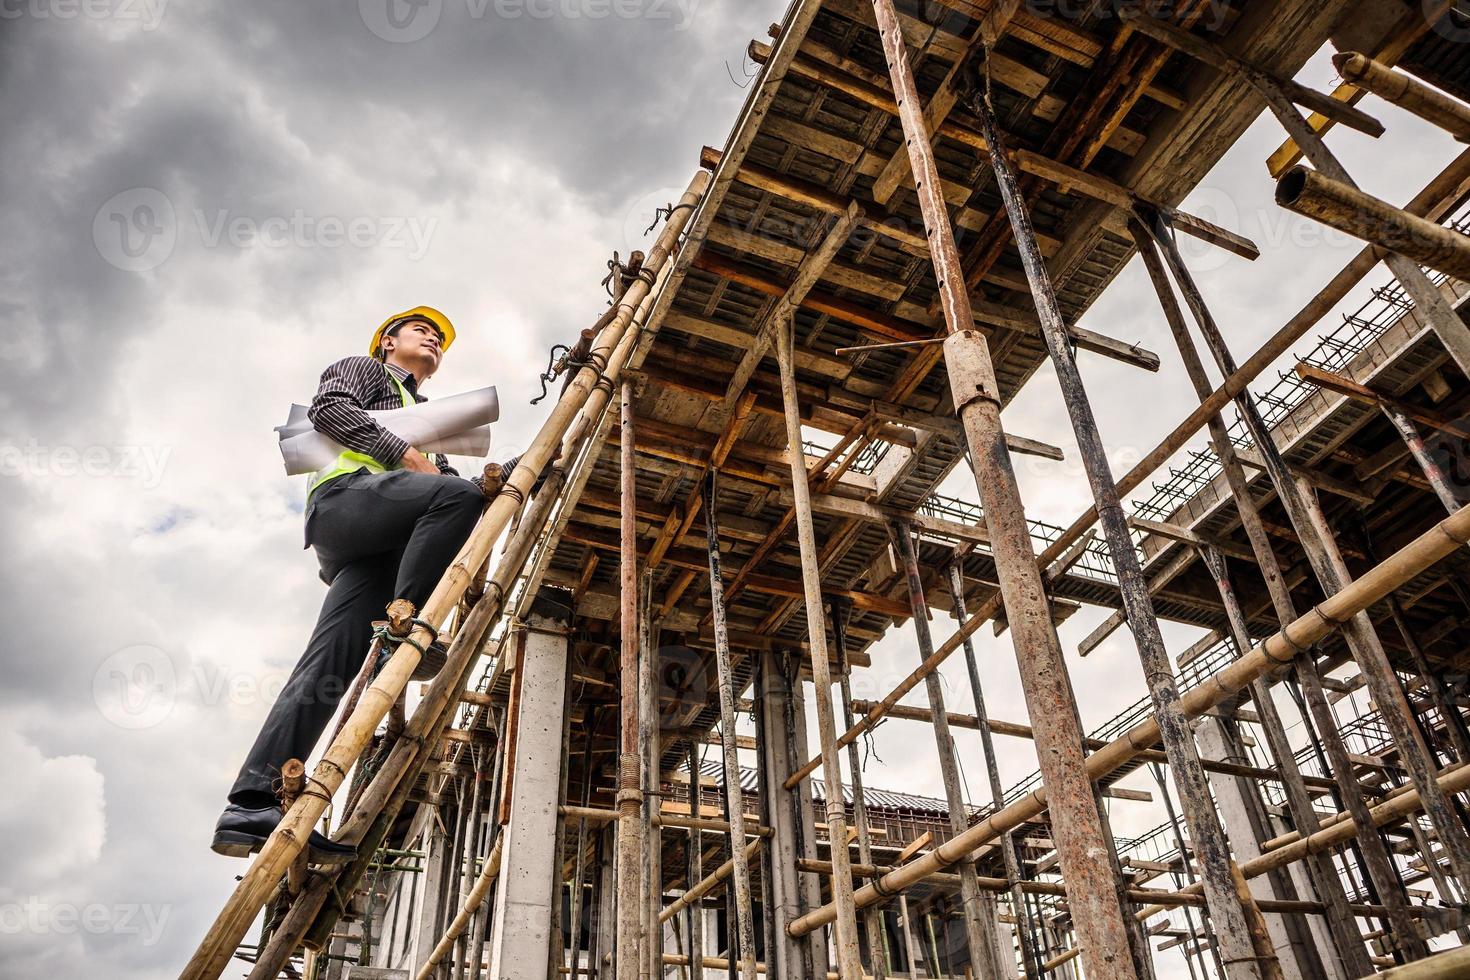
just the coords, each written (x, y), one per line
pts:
(456, 426)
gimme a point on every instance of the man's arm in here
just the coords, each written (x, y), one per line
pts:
(337, 410)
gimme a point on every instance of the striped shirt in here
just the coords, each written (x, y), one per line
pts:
(354, 386)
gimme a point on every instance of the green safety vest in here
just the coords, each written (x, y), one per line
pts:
(351, 462)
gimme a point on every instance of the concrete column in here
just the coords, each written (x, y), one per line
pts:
(520, 944)
(428, 912)
(1236, 812)
(783, 739)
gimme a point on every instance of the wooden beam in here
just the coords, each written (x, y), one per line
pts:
(1349, 388)
(879, 96)
(811, 269)
(1211, 54)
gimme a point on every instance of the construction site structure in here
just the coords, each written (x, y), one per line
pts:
(611, 778)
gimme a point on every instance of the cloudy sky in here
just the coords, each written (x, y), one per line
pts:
(206, 205)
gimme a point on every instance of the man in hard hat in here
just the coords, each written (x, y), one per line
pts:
(385, 521)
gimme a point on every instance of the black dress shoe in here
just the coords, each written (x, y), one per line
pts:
(242, 831)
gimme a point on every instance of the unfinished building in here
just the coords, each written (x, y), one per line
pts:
(916, 207)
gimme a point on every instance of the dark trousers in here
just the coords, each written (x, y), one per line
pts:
(378, 537)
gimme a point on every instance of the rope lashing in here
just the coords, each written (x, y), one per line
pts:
(662, 214)
(556, 365)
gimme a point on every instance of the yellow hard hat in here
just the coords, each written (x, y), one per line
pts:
(428, 313)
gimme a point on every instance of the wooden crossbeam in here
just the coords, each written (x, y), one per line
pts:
(878, 95)
(1216, 57)
(1349, 388)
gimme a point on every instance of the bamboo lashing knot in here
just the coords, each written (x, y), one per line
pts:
(661, 214)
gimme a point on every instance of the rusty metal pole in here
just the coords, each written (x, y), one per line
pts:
(1428, 465)
(648, 752)
(1324, 876)
(696, 864)
(630, 792)
(1030, 960)
(1229, 918)
(735, 799)
(1094, 881)
(872, 915)
(1321, 551)
(1376, 859)
(979, 912)
(849, 964)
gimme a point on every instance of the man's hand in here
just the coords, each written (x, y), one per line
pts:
(416, 462)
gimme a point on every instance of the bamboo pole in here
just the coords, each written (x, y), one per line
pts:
(734, 799)
(472, 901)
(1229, 918)
(1304, 191)
(1406, 92)
(849, 966)
(630, 785)
(1280, 648)
(1449, 965)
(1010, 728)
(1076, 820)
(708, 884)
(291, 834)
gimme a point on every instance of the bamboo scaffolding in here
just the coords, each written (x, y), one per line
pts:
(1281, 648)
(290, 836)
(1311, 524)
(1324, 876)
